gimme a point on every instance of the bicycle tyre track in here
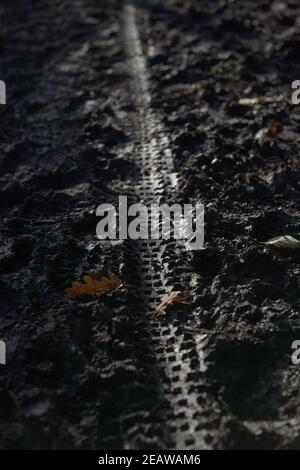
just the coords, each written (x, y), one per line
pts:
(179, 352)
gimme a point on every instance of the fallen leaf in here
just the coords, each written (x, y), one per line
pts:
(174, 298)
(251, 101)
(284, 241)
(274, 128)
(94, 284)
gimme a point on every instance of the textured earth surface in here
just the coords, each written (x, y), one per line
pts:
(90, 373)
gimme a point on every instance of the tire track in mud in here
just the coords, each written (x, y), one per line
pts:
(159, 264)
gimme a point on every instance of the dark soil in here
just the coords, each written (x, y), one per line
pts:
(81, 374)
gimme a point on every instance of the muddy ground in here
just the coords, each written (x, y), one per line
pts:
(82, 373)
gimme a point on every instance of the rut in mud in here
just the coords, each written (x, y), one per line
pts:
(159, 262)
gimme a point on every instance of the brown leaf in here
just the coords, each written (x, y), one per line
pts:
(274, 128)
(283, 242)
(174, 298)
(94, 284)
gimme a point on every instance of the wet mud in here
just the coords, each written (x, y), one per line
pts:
(147, 99)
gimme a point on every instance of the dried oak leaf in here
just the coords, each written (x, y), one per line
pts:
(274, 128)
(174, 298)
(94, 284)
